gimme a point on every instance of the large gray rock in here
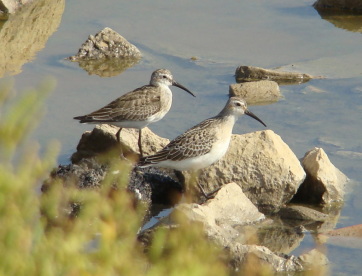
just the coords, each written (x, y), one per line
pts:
(262, 164)
(256, 92)
(324, 183)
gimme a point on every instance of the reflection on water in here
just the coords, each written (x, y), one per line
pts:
(258, 33)
(26, 33)
(341, 19)
(107, 67)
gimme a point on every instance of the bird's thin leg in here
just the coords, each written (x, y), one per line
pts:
(208, 195)
(118, 135)
(139, 142)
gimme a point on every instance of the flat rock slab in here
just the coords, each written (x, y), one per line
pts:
(252, 73)
(106, 44)
(256, 92)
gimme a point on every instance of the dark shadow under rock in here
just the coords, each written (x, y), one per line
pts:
(166, 187)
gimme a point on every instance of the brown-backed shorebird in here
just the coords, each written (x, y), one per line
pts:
(203, 144)
(138, 108)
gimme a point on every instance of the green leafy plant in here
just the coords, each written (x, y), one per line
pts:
(38, 234)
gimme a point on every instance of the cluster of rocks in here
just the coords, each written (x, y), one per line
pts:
(266, 81)
(261, 183)
(258, 207)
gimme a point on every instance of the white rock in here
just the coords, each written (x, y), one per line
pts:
(324, 179)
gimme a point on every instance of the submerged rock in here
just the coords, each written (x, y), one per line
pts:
(251, 73)
(256, 92)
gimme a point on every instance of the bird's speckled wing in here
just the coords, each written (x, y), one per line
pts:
(136, 105)
(194, 142)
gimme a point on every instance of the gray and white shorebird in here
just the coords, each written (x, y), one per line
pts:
(203, 144)
(138, 108)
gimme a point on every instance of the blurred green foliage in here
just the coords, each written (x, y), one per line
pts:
(39, 237)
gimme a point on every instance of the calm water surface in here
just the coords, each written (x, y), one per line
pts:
(222, 35)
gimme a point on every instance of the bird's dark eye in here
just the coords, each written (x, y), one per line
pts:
(164, 76)
(238, 104)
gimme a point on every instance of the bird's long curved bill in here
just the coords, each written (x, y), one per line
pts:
(252, 115)
(182, 87)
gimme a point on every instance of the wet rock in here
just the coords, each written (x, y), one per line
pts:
(297, 212)
(354, 5)
(324, 183)
(149, 185)
(87, 174)
(262, 164)
(256, 92)
(251, 73)
(102, 140)
(106, 44)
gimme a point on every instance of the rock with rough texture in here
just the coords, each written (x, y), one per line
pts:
(106, 44)
(102, 139)
(354, 5)
(11, 6)
(220, 218)
(324, 183)
(256, 92)
(262, 164)
(251, 73)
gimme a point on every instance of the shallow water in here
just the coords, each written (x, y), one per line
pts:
(290, 34)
